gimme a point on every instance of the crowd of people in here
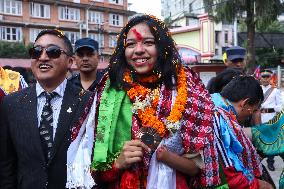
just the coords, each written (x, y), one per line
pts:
(146, 122)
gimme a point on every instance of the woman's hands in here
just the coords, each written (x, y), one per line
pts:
(132, 152)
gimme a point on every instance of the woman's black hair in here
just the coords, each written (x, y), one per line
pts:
(242, 87)
(222, 79)
(168, 59)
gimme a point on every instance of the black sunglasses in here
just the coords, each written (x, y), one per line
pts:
(265, 76)
(51, 51)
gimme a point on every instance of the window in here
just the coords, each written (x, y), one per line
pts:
(10, 33)
(39, 10)
(226, 37)
(96, 17)
(112, 41)
(216, 51)
(119, 2)
(217, 33)
(33, 34)
(70, 14)
(11, 7)
(116, 20)
(72, 36)
(99, 38)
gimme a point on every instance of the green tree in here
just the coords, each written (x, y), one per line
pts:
(13, 50)
(256, 13)
(168, 21)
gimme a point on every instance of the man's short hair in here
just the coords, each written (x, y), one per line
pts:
(60, 35)
(242, 87)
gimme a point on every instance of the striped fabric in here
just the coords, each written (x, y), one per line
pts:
(46, 125)
(220, 145)
(23, 83)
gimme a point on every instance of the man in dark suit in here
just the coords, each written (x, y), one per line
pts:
(35, 122)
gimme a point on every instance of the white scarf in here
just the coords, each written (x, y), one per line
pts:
(161, 175)
(79, 154)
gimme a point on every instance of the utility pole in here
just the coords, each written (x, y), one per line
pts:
(80, 25)
(236, 31)
(87, 21)
(87, 18)
(99, 37)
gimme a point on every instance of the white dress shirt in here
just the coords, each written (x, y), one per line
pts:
(273, 101)
(55, 103)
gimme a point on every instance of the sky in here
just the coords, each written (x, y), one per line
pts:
(146, 6)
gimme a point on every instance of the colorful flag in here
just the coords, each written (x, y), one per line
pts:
(273, 80)
(256, 72)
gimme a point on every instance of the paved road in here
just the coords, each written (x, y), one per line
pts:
(279, 165)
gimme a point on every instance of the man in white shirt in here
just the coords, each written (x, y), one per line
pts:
(272, 104)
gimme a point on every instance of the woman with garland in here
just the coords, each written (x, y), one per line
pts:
(152, 119)
(241, 164)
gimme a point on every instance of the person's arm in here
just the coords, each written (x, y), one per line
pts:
(264, 185)
(278, 101)
(180, 163)
(8, 178)
(236, 179)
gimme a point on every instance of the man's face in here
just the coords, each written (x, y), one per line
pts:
(49, 70)
(87, 60)
(265, 79)
(248, 111)
(236, 63)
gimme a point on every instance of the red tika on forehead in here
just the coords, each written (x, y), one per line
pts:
(137, 34)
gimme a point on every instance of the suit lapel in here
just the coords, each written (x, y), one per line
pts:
(29, 101)
(68, 109)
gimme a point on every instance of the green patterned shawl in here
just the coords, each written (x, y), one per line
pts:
(114, 127)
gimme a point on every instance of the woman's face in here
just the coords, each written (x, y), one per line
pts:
(141, 51)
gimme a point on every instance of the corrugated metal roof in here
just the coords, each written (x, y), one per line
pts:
(264, 40)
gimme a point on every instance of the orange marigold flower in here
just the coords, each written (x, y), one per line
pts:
(148, 116)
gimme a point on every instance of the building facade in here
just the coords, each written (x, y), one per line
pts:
(101, 20)
(182, 12)
(185, 13)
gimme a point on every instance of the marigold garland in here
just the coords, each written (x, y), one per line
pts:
(147, 101)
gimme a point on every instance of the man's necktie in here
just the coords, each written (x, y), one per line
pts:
(46, 127)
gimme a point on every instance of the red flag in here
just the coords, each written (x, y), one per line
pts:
(273, 80)
(256, 72)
